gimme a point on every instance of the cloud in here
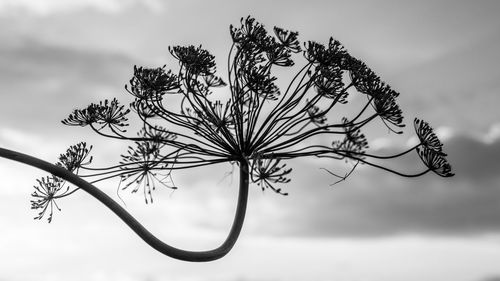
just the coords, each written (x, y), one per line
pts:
(49, 7)
(40, 84)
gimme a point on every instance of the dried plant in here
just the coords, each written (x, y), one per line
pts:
(258, 128)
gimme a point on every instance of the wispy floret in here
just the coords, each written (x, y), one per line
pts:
(152, 83)
(157, 134)
(427, 136)
(266, 172)
(144, 109)
(435, 161)
(316, 115)
(75, 156)
(143, 168)
(220, 116)
(289, 39)
(46, 192)
(354, 143)
(191, 115)
(112, 115)
(214, 81)
(195, 60)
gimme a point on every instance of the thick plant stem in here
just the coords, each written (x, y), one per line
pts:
(148, 237)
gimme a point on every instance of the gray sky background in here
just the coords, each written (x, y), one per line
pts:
(442, 56)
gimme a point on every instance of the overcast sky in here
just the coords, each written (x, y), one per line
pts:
(442, 56)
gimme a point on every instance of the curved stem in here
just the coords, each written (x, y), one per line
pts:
(148, 237)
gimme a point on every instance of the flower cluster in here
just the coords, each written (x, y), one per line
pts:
(288, 39)
(75, 156)
(105, 114)
(262, 83)
(152, 83)
(333, 55)
(250, 32)
(329, 84)
(143, 167)
(431, 152)
(427, 137)
(384, 103)
(213, 81)
(260, 124)
(257, 51)
(158, 135)
(266, 172)
(219, 116)
(51, 187)
(354, 143)
(144, 109)
(183, 124)
(82, 117)
(195, 60)
(316, 115)
(383, 97)
(45, 194)
(363, 78)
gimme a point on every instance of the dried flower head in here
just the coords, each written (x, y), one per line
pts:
(266, 172)
(157, 134)
(250, 35)
(82, 117)
(262, 83)
(106, 114)
(363, 78)
(316, 115)
(75, 156)
(289, 39)
(195, 60)
(152, 83)
(354, 143)
(45, 194)
(435, 161)
(142, 168)
(329, 84)
(333, 55)
(384, 103)
(219, 116)
(213, 81)
(427, 137)
(112, 115)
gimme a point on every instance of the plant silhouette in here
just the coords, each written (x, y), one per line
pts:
(257, 129)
